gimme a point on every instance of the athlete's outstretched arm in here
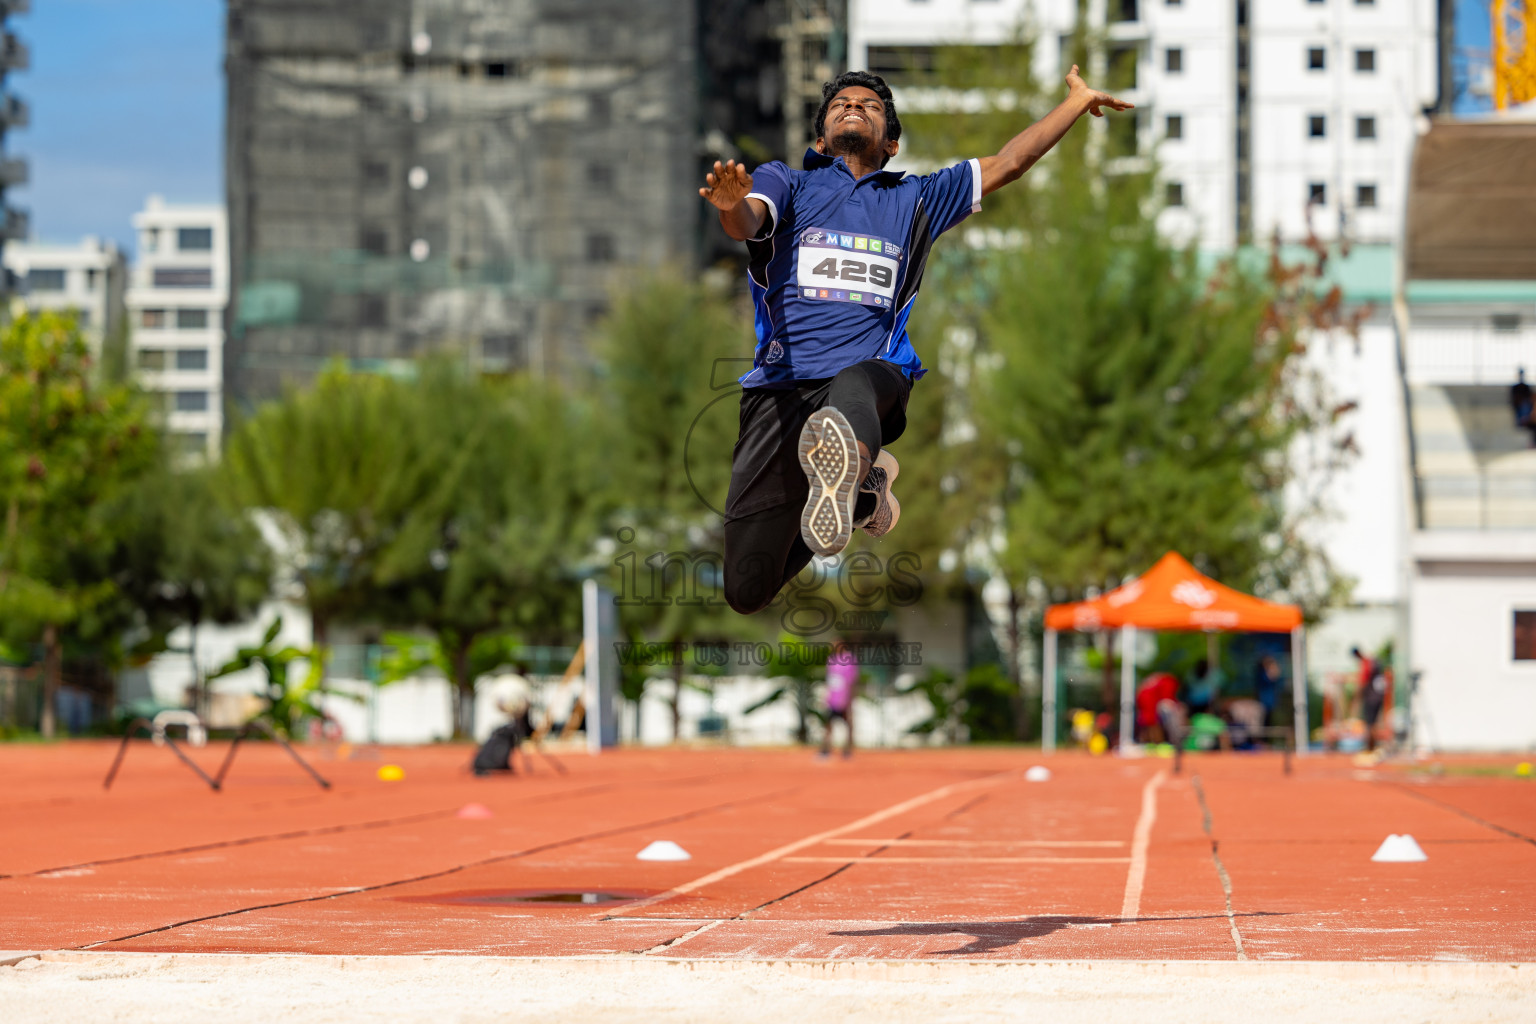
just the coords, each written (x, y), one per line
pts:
(726, 187)
(1034, 142)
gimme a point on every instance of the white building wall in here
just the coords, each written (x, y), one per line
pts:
(94, 274)
(1286, 92)
(1472, 694)
(1203, 162)
(177, 317)
(1366, 535)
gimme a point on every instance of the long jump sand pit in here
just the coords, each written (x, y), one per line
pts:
(899, 885)
(194, 988)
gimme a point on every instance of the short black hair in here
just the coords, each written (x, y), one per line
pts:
(872, 82)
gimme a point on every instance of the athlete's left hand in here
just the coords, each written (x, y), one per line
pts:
(1095, 99)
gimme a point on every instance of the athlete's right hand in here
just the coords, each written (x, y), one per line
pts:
(727, 185)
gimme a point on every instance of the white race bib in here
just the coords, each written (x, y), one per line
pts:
(842, 267)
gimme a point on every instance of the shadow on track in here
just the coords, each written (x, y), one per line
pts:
(987, 936)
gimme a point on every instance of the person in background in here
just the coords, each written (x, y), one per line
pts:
(842, 680)
(1204, 687)
(1266, 686)
(1520, 399)
(1373, 693)
(1153, 691)
(1521, 405)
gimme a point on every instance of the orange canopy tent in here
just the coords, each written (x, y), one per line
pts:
(1172, 595)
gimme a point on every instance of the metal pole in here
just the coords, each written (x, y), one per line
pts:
(1299, 689)
(1048, 695)
(1127, 686)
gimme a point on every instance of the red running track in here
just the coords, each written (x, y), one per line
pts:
(892, 855)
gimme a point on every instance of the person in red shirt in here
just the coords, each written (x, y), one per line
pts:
(1157, 687)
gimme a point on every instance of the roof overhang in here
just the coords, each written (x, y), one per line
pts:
(1471, 211)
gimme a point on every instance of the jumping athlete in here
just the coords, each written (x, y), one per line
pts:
(836, 257)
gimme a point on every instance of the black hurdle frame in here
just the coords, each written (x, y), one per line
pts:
(216, 783)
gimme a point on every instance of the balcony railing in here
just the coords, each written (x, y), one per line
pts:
(1477, 501)
(1469, 355)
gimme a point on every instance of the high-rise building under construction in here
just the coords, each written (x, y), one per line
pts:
(407, 175)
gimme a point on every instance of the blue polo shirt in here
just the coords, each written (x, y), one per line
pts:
(838, 262)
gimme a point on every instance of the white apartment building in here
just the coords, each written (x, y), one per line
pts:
(1261, 113)
(176, 299)
(86, 279)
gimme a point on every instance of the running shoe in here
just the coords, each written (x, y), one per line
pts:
(829, 454)
(878, 482)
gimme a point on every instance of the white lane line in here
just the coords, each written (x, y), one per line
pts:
(895, 810)
(1054, 843)
(1136, 877)
(957, 860)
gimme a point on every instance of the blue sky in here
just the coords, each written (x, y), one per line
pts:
(1473, 32)
(127, 99)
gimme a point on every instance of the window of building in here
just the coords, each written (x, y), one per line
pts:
(600, 175)
(1506, 323)
(190, 401)
(1365, 3)
(1525, 635)
(41, 280)
(151, 358)
(600, 249)
(496, 69)
(375, 172)
(373, 311)
(1317, 194)
(1120, 75)
(151, 240)
(1173, 60)
(1365, 197)
(192, 359)
(599, 109)
(901, 61)
(152, 318)
(1174, 3)
(1173, 127)
(1123, 137)
(1317, 126)
(1365, 127)
(1317, 58)
(1123, 10)
(191, 319)
(194, 239)
(1173, 193)
(1365, 60)
(190, 442)
(183, 277)
(375, 241)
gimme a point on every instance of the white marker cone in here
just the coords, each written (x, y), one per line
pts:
(1399, 850)
(1039, 773)
(663, 849)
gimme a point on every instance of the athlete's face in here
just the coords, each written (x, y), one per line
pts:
(855, 124)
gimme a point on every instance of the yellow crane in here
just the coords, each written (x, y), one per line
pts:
(1514, 52)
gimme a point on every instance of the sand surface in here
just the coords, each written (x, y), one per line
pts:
(175, 988)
